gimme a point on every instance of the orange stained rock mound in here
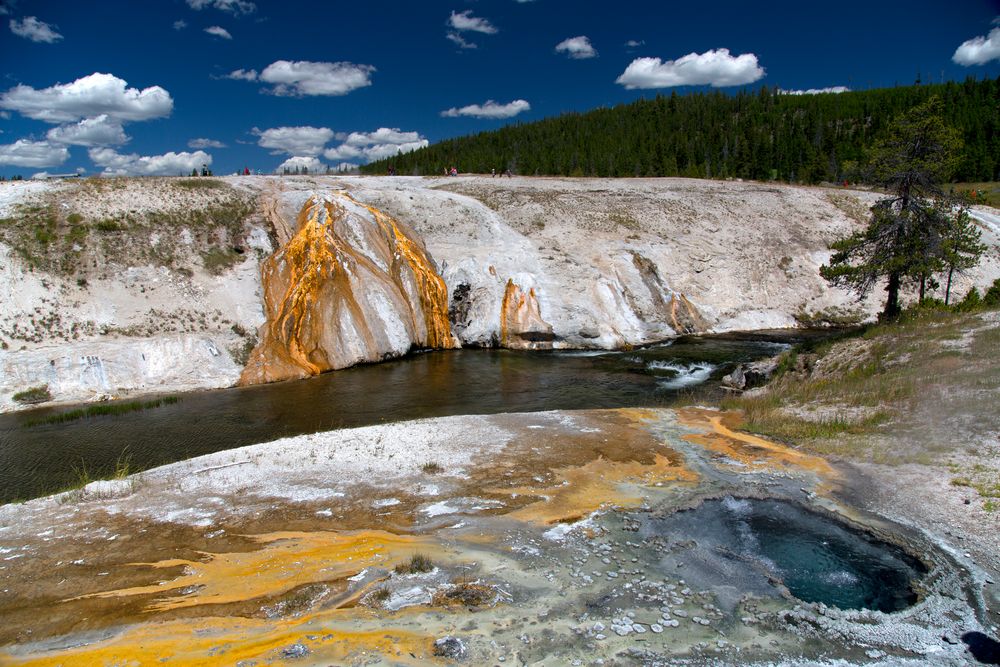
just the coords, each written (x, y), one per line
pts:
(521, 323)
(351, 285)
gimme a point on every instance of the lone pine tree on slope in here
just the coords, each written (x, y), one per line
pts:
(914, 232)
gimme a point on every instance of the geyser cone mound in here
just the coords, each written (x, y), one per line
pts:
(351, 285)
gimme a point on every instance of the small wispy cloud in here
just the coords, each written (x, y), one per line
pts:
(218, 31)
(180, 24)
(231, 6)
(460, 41)
(37, 31)
(205, 143)
(578, 48)
(242, 75)
(463, 21)
(488, 109)
(815, 91)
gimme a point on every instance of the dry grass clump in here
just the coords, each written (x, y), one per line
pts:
(466, 594)
(417, 564)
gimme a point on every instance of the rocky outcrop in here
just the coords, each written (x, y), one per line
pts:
(751, 375)
(352, 285)
(521, 323)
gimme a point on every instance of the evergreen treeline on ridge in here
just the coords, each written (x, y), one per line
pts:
(762, 135)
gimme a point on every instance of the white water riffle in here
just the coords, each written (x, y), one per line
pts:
(684, 374)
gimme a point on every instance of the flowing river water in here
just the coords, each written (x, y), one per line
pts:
(39, 459)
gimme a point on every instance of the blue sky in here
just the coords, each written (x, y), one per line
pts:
(131, 87)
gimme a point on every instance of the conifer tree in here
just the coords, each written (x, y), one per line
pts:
(906, 236)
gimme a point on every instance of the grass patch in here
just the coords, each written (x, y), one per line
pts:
(979, 193)
(47, 238)
(200, 184)
(418, 563)
(837, 396)
(39, 394)
(100, 409)
(432, 468)
(123, 464)
(218, 260)
(108, 226)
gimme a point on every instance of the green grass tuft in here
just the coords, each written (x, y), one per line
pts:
(200, 183)
(101, 409)
(34, 395)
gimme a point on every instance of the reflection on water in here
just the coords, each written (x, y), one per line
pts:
(37, 460)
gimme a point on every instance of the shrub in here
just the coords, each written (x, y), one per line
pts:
(992, 297)
(972, 301)
(218, 260)
(108, 226)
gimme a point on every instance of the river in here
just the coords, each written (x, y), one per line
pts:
(40, 459)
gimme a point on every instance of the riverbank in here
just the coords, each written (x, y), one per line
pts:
(120, 287)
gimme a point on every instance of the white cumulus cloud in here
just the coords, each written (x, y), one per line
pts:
(300, 141)
(368, 146)
(24, 153)
(301, 162)
(979, 50)
(87, 97)
(218, 31)
(715, 68)
(37, 31)
(815, 91)
(383, 135)
(462, 21)
(180, 24)
(133, 164)
(231, 6)
(489, 109)
(205, 143)
(98, 131)
(299, 78)
(577, 47)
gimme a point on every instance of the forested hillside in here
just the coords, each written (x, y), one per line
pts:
(756, 135)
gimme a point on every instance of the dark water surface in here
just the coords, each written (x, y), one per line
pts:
(40, 459)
